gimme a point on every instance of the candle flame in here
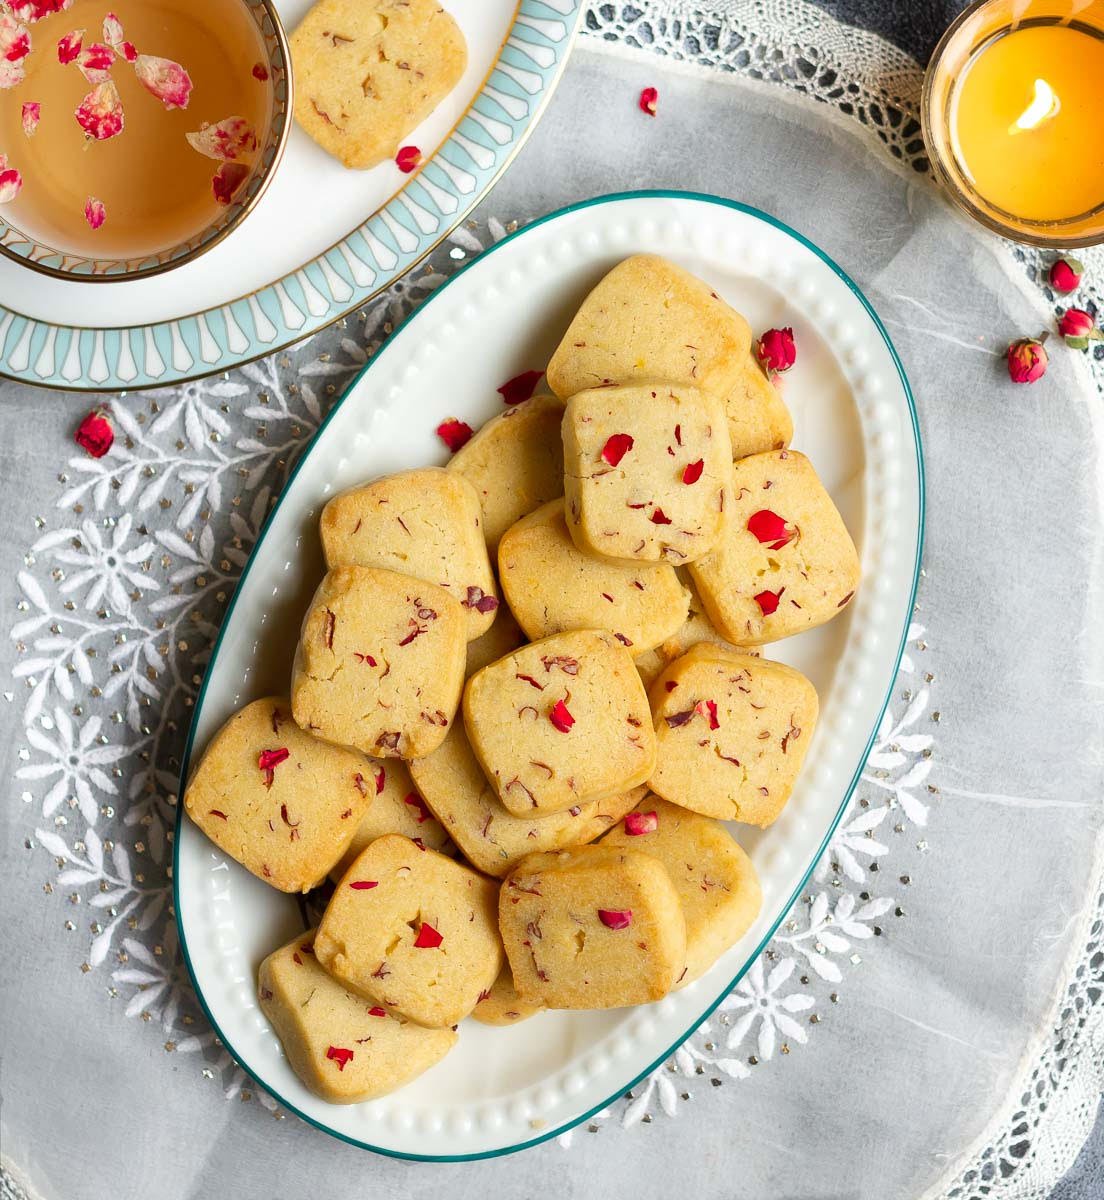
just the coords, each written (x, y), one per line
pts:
(1044, 105)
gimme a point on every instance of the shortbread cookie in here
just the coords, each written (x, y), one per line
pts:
(426, 523)
(380, 663)
(367, 72)
(785, 561)
(732, 732)
(501, 1005)
(396, 808)
(343, 1047)
(594, 927)
(551, 585)
(651, 320)
(453, 785)
(413, 931)
(560, 722)
(715, 880)
(758, 420)
(283, 804)
(515, 463)
(502, 637)
(647, 471)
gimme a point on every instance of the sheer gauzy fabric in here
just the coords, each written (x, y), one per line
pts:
(887, 1038)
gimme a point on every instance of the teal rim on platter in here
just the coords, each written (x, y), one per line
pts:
(894, 657)
(349, 274)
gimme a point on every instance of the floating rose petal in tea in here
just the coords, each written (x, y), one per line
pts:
(114, 37)
(95, 62)
(10, 181)
(15, 45)
(95, 434)
(227, 179)
(165, 79)
(225, 140)
(35, 10)
(260, 72)
(32, 114)
(100, 113)
(69, 46)
(94, 212)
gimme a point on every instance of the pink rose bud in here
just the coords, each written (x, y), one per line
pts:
(776, 350)
(95, 433)
(1078, 328)
(1027, 360)
(1065, 274)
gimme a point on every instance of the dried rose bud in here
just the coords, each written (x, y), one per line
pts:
(409, 158)
(339, 1055)
(94, 212)
(520, 388)
(165, 79)
(1027, 360)
(428, 938)
(1078, 328)
(649, 98)
(615, 918)
(95, 433)
(616, 447)
(1065, 274)
(776, 350)
(35, 10)
(637, 823)
(31, 115)
(454, 433)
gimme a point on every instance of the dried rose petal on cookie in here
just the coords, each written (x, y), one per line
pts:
(165, 79)
(113, 36)
(32, 114)
(10, 182)
(227, 179)
(94, 212)
(225, 140)
(100, 113)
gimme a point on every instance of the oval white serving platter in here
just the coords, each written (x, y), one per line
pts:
(322, 241)
(503, 1089)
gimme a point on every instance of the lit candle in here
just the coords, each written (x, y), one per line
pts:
(1012, 117)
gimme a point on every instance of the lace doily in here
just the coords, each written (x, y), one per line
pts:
(132, 562)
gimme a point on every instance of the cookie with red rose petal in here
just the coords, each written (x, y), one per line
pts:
(647, 472)
(560, 722)
(551, 585)
(412, 931)
(367, 72)
(453, 785)
(426, 523)
(501, 1005)
(396, 807)
(648, 319)
(715, 880)
(344, 1048)
(758, 419)
(515, 463)
(785, 561)
(380, 663)
(594, 927)
(731, 733)
(280, 802)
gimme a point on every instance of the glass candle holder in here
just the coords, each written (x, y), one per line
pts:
(1012, 121)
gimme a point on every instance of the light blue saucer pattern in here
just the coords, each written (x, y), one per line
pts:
(387, 245)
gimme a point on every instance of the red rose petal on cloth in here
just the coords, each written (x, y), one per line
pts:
(339, 1055)
(95, 433)
(363, 885)
(31, 115)
(419, 806)
(1027, 360)
(69, 46)
(659, 517)
(165, 79)
(408, 159)
(770, 529)
(637, 824)
(227, 179)
(692, 472)
(520, 388)
(454, 433)
(428, 938)
(616, 447)
(260, 72)
(100, 113)
(377, 1011)
(776, 350)
(560, 717)
(225, 140)
(94, 212)
(615, 918)
(768, 601)
(648, 100)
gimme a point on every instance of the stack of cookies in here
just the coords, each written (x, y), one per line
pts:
(516, 779)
